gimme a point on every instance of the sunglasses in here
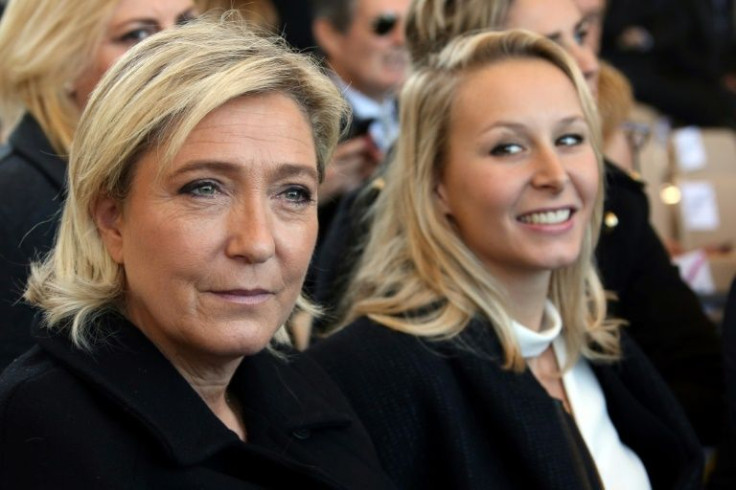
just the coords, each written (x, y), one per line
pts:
(385, 23)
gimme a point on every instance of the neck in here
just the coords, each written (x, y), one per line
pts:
(211, 384)
(527, 296)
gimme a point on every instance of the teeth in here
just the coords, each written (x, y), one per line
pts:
(546, 217)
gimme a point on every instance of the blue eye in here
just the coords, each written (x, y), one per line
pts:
(580, 35)
(505, 149)
(570, 140)
(201, 188)
(137, 35)
(298, 195)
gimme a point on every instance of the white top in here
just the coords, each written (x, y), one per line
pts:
(385, 128)
(618, 466)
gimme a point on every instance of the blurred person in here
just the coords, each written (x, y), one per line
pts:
(663, 315)
(478, 352)
(185, 237)
(615, 102)
(363, 44)
(52, 54)
(680, 56)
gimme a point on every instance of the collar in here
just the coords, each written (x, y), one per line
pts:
(127, 368)
(29, 140)
(363, 106)
(533, 343)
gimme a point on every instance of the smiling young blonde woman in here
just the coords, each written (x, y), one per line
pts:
(478, 353)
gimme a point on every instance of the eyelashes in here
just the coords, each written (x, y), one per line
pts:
(510, 148)
(297, 195)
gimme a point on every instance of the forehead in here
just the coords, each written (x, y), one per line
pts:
(368, 9)
(518, 89)
(544, 17)
(149, 9)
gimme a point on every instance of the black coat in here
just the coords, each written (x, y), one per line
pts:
(443, 417)
(663, 314)
(122, 417)
(32, 182)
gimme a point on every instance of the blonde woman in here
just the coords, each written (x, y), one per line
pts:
(52, 54)
(186, 234)
(663, 315)
(478, 353)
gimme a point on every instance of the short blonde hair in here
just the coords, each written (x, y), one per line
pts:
(432, 24)
(44, 47)
(416, 274)
(152, 99)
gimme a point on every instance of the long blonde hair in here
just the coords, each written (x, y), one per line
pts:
(416, 275)
(44, 47)
(152, 99)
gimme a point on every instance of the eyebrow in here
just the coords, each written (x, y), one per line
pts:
(283, 170)
(151, 21)
(565, 121)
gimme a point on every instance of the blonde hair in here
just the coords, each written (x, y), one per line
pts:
(151, 100)
(416, 275)
(432, 24)
(261, 13)
(615, 99)
(44, 47)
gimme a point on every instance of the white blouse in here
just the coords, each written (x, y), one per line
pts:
(618, 466)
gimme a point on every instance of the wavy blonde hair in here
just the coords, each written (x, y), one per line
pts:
(44, 47)
(416, 274)
(152, 99)
(432, 24)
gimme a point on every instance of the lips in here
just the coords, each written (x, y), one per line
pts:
(244, 296)
(547, 217)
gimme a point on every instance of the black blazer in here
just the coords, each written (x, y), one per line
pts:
(443, 417)
(32, 182)
(121, 417)
(664, 316)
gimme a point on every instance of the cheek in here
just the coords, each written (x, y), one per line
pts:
(296, 243)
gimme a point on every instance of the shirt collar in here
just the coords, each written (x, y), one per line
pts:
(533, 343)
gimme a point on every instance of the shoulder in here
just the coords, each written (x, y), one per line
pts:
(367, 349)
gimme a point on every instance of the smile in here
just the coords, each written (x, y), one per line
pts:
(551, 217)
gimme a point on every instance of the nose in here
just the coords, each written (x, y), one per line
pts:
(250, 235)
(588, 63)
(549, 171)
(398, 36)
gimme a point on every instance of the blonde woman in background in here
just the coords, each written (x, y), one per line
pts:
(477, 351)
(190, 220)
(52, 54)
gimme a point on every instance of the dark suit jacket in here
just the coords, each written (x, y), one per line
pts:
(121, 417)
(32, 185)
(663, 314)
(442, 417)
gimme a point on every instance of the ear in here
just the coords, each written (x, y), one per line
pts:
(108, 215)
(442, 201)
(328, 38)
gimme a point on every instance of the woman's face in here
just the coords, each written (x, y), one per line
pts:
(131, 22)
(562, 22)
(520, 176)
(215, 249)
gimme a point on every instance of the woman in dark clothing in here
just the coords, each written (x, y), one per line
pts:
(51, 56)
(663, 314)
(185, 238)
(480, 354)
